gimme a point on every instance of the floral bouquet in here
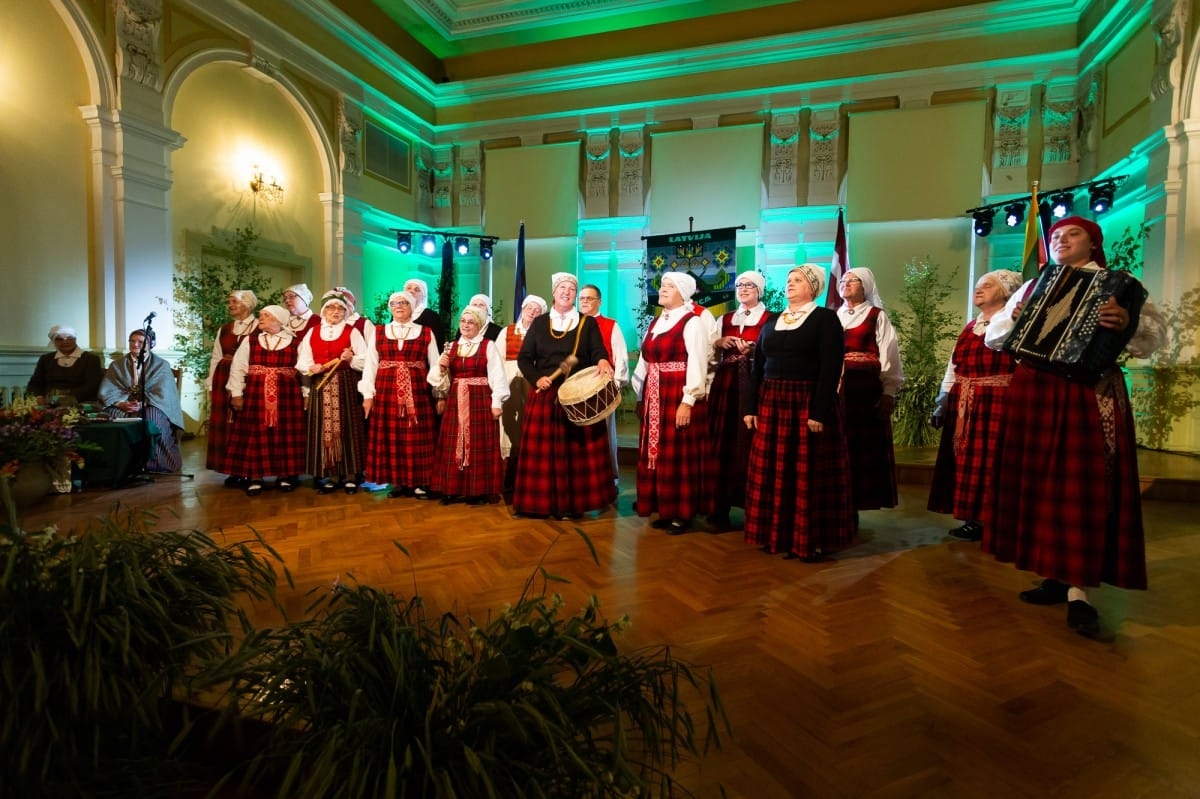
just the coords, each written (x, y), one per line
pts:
(32, 434)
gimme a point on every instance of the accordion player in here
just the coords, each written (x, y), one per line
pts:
(1058, 328)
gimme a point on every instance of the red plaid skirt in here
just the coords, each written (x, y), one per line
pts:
(563, 468)
(220, 417)
(258, 447)
(728, 434)
(400, 448)
(798, 490)
(1066, 502)
(868, 438)
(674, 474)
(467, 458)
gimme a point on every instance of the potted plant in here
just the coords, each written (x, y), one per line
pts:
(372, 697)
(101, 630)
(37, 446)
(926, 331)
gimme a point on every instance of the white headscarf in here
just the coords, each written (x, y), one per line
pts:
(536, 300)
(407, 296)
(487, 302)
(684, 283)
(422, 302)
(478, 314)
(246, 297)
(559, 277)
(868, 283)
(284, 316)
(302, 291)
(62, 331)
(756, 278)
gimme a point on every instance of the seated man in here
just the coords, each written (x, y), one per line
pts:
(142, 382)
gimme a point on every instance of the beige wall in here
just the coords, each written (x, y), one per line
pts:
(1127, 98)
(233, 121)
(44, 177)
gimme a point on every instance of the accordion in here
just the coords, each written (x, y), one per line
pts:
(1058, 329)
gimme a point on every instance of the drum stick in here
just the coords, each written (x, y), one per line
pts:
(564, 368)
(332, 363)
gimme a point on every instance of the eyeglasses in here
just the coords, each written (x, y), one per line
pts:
(846, 280)
(745, 286)
(589, 299)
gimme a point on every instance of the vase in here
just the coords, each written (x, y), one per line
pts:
(30, 485)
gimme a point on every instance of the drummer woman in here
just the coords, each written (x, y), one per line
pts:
(467, 464)
(332, 355)
(398, 402)
(675, 467)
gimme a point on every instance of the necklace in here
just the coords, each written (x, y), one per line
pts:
(400, 330)
(851, 311)
(274, 341)
(467, 350)
(565, 331)
(791, 317)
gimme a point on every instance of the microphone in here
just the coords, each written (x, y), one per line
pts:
(151, 316)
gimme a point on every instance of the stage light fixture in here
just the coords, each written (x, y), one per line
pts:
(462, 245)
(1014, 214)
(485, 248)
(428, 244)
(983, 220)
(404, 242)
(1060, 204)
(1100, 198)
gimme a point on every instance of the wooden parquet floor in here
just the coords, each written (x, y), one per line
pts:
(903, 667)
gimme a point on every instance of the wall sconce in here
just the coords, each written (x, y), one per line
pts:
(265, 187)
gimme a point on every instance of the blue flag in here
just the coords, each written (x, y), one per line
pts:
(519, 288)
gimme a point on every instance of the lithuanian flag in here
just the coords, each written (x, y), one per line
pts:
(1035, 246)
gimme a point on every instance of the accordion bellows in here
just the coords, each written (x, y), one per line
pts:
(1059, 329)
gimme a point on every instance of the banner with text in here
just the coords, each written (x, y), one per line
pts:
(709, 256)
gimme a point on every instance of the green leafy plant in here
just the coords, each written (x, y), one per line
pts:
(370, 697)
(201, 288)
(926, 330)
(99, 628)
(1166, 391)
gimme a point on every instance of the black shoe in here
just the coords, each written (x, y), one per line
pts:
(678, 526)
(1083, 618)
(423, 493)
(287, 484)
(719, 519)
(350, 487)
(232, 481)
(325, 486)
(254, 489)
(1050, 592)
(970, 531)
(660, 523)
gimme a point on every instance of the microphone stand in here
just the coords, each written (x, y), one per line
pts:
(146, 445)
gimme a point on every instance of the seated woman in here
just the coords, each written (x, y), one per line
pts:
(68, 371)
(143, 382)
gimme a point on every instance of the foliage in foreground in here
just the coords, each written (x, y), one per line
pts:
(1168, 393)
(926, 331)
(98, 629)
(372, 698)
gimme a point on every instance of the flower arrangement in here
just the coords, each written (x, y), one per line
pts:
(29, 434)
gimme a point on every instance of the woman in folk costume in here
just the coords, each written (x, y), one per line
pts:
(491, 330)
(240, 304)
(873, 376)
(1067, 503)
(798, 494)
(264, 388)
(969, 409)
(301, 318)
(564, 469)
(399, 406)
(675, 470)
(353, 318)
(332, 356)
(423, 315)
(70, 370)
(509, 343)
(467, 463)
(143, 383)
(740, 330)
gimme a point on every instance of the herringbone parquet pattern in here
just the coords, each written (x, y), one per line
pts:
(903, 667)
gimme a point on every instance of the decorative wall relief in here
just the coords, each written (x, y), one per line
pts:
(424, 167)
(443, 176)
(597, 175)
(139, 56)
(1060, 110)
(822, 134)
(633, 165)
(350, 125)
(785, 134)
(1087, 103)
(1010, 127)
(1170, 21)
(470, 176)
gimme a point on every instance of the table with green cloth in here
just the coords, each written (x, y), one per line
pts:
(124, 448)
